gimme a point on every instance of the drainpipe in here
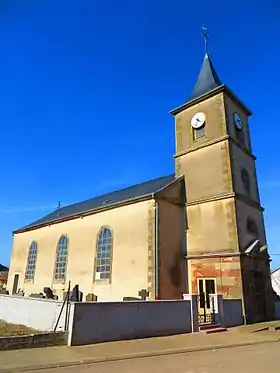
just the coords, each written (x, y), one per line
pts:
(242, 290)
(156, 253)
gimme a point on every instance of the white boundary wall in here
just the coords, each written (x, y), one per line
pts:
(94, 322)
(39, 314)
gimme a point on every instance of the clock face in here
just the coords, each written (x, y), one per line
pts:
(237, 121)
(198, 120)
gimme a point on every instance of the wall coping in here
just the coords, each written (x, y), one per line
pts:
(31, 298)
(134, 301)
(110, 302)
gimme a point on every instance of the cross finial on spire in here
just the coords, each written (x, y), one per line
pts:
(206, 38)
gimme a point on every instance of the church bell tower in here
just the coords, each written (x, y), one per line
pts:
(226, 241)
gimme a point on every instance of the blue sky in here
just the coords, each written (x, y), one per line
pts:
(86, 86)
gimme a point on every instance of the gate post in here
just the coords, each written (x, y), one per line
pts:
(194, 310)
(217, 309)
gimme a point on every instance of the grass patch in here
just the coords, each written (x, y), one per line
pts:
(264, 326)
(9, 330)
(258, 327)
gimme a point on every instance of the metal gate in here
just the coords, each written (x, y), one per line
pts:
(205, 314)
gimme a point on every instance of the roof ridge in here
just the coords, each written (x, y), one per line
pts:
(117, 190)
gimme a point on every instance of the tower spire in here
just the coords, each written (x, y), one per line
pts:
(208, 78)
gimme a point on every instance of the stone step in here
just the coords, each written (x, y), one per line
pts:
(207, 325)
(211, 328)
(215, 330)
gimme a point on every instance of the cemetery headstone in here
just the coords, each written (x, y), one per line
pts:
(130, 298)
(20, 292)
(35, 295)
(91, 297)
(76, 295)
(49, 293)
(143, 293)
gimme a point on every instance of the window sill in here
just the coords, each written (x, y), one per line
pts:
(29, 281)
(62, 282)
(106, 281)
(199, 139)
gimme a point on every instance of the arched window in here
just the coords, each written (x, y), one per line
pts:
(104, 254)
(61, 259)
(31, 262)
(252, 227)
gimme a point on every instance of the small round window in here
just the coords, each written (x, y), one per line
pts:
(252, 227)
(245, 177)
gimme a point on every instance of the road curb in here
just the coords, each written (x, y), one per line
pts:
(132, 356)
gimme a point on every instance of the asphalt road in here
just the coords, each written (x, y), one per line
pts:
(262, 358)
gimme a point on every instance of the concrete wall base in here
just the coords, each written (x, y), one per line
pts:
(33, 340)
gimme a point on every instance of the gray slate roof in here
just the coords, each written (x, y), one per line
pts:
(134, 192)
(207, 79)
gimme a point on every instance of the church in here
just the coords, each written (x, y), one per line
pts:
(200, 230)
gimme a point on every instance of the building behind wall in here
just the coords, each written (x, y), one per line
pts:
(3, 277)
(275, 279)
(200, 230)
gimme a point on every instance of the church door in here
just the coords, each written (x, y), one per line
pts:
(206, 286)
(15, 284)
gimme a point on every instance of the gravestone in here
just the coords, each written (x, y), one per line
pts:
(130, 298)
(143, 293)
(91, 297)
(49, 293)
(34, 295)
(20, 292)
(76, 295)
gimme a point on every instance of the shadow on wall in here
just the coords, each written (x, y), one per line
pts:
(175, 271)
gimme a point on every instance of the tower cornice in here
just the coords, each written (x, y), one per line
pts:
(215, 141)
(221, 89)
